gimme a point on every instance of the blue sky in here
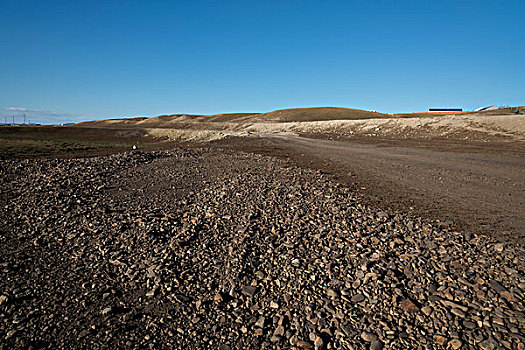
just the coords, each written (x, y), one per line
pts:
(78, 60)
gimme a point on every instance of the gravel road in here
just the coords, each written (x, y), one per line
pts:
(217, 249)
(479, 187)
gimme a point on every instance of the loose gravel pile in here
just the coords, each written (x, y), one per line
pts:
(219, 250)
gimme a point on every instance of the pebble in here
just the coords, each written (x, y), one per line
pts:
(301, 344)
(368, 337)
(358, 298)
(249, 290)
(455, 344)
(192, 254)
(408, 305)
(261, 322)
(376, 345)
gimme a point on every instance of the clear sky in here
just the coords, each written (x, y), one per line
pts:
(76, 60)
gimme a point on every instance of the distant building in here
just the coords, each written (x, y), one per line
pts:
(445, 109)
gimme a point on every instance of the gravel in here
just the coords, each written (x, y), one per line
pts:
(205, 248)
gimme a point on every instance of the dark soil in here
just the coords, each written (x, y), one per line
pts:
(219, 249)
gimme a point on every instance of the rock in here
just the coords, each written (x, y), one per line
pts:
(218, 298)
(368, 337)
(469, 325)
(260, 322)
(376, 345)
(10, 334)
(458, 313)
(318, 343)
(454, 305)
(358, 298)
(237, 250)
(249, 291)
(408, 305)
(382, 215)
(455, 344)
(275, 339)
(497, 287)
(440, 340)
(487, 345)
(279, 331)
(427, 310)
(301, 344)
(331, 293)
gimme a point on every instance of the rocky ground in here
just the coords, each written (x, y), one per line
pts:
(205, 248)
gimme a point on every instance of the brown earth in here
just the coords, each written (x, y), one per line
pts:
(476, 184)
(221, 247)
(218, 249)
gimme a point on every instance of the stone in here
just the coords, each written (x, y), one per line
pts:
(331, 293)
(368, 337)
(497, 287)
(455, 344)
(469, 325)
(249, 291)
(302, 344)
(218, 298)
(376, 345)
(427, 310)
(10, 334)
(214, 234)
(279, 331)
(358, 298)
(260, 322)
(458, 313)
(440, 340)
(487, 345)
(275, 339)
(408, 305)
(318, 343)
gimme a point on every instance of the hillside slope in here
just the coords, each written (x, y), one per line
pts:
(278, 116)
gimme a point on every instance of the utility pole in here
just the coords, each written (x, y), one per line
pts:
(24, 119)
(13, 120)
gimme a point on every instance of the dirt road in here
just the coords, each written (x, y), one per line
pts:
(481, 189)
